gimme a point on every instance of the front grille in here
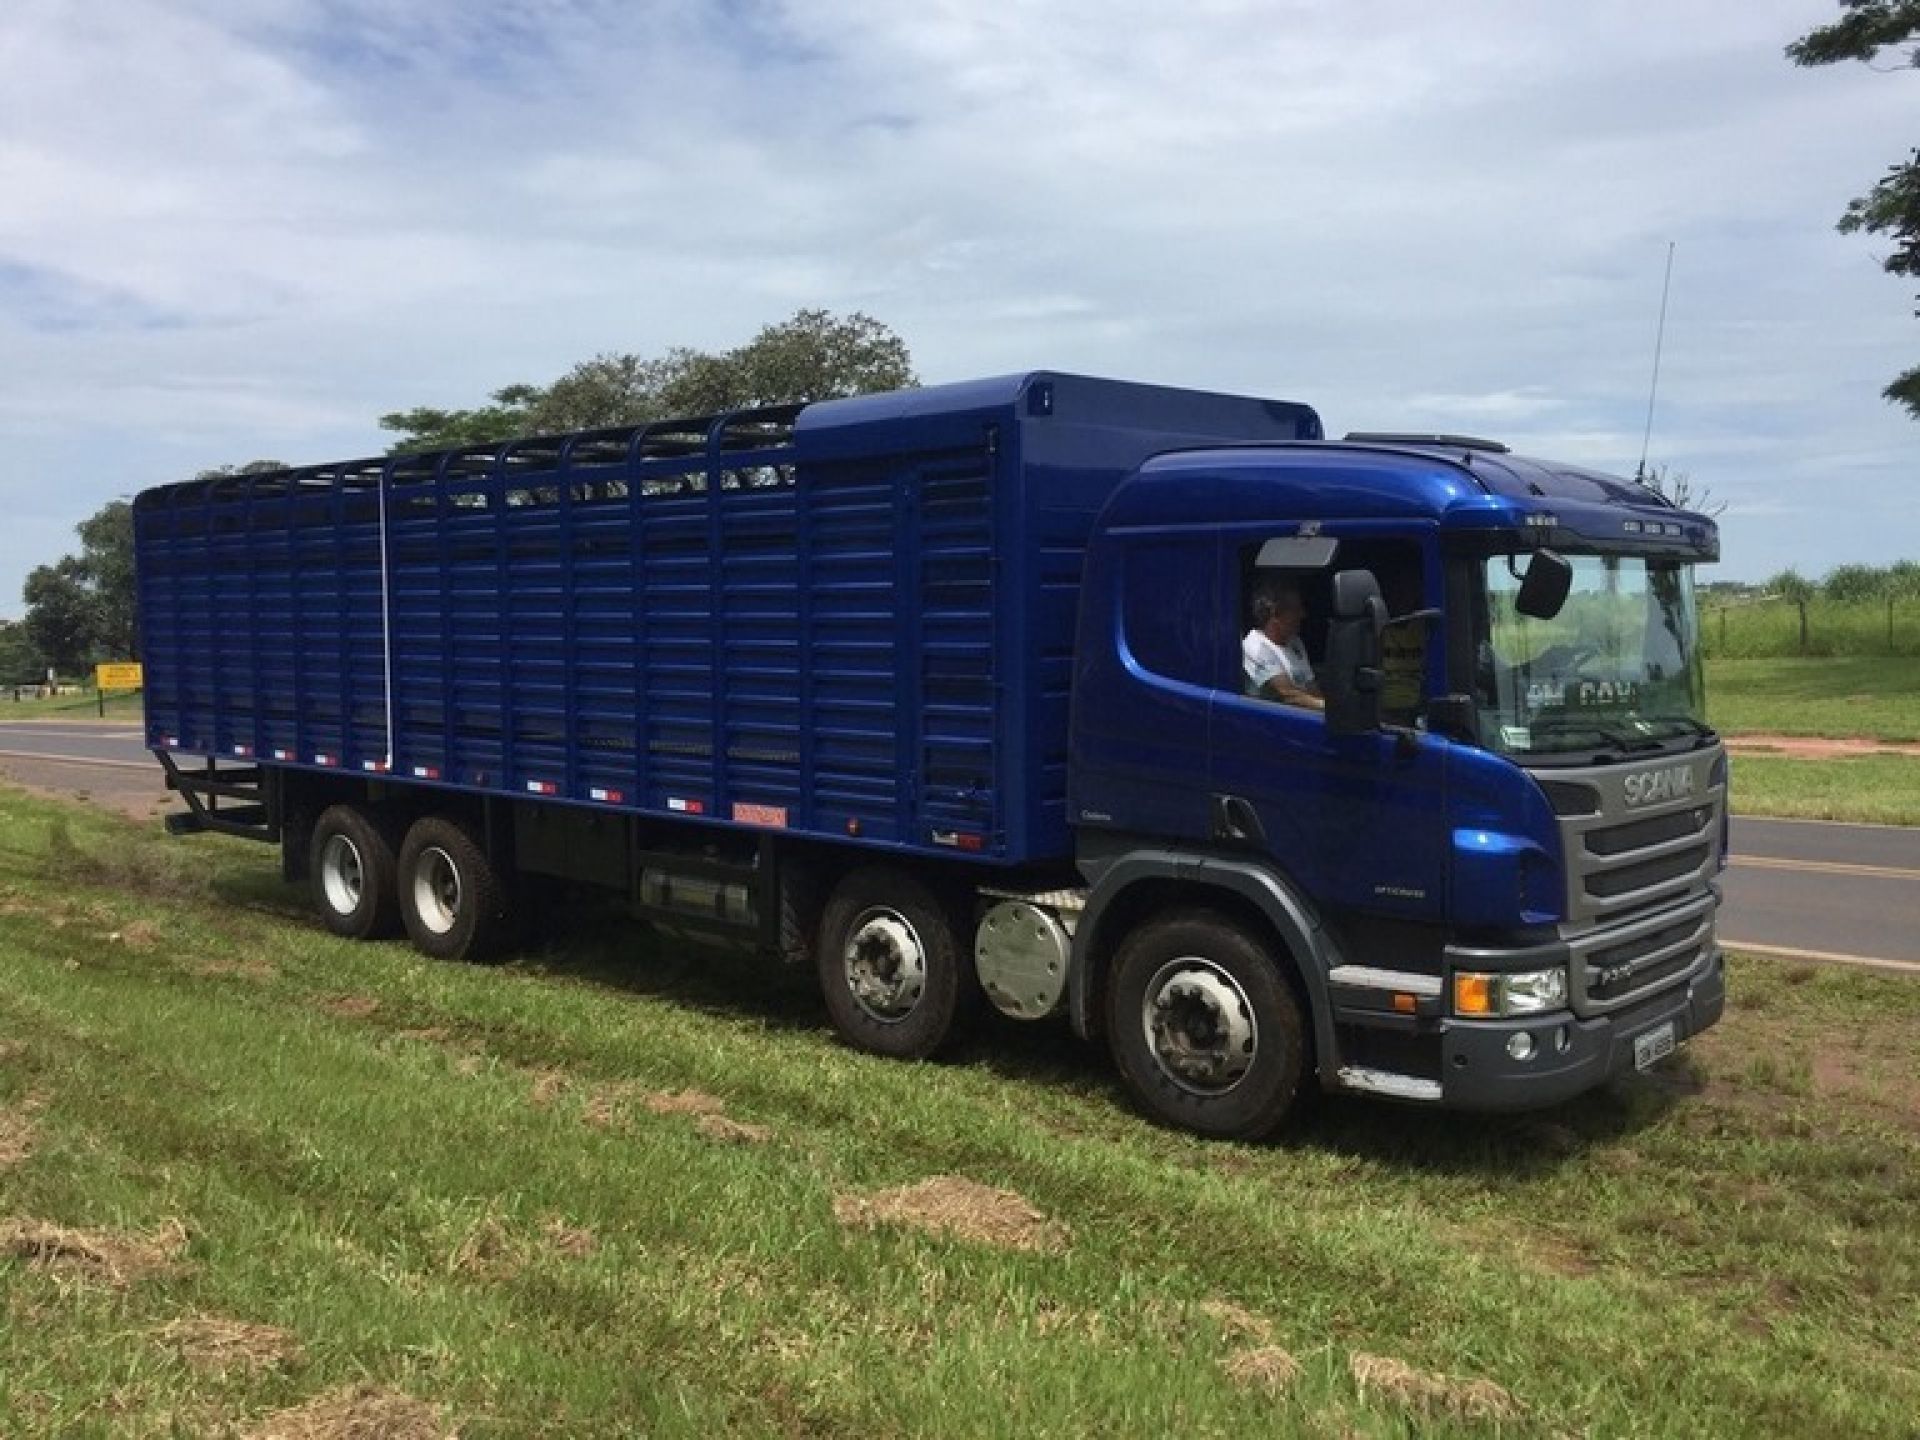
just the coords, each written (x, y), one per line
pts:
(1656, 830)
(1606, 884)
(1613, 972)
(1569, 797)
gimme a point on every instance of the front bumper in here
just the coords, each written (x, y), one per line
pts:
(1477, 1073)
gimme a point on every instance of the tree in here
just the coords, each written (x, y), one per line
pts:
(424, 428)
(20, 662)
(1855, 584)
(60, 614)
(1866, 30)
(813, 355)
(105, 568)
(1794, 588)
(1678, 489)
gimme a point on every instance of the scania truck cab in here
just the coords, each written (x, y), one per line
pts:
(1491, 858)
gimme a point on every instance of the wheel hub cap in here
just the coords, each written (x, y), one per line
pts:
(886, 965)
(342, 874)
(1199, 1026)
(436, 891)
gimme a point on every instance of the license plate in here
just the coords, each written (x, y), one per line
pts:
(1653, 1047)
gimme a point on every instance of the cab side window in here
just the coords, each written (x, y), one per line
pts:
(1398, 566)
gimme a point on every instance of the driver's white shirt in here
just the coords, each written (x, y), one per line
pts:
(1261, 659)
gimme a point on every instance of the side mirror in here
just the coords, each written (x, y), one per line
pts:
(1352, 678)
(1543, 589)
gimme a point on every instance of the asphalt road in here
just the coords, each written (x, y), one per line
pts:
(1795, 889)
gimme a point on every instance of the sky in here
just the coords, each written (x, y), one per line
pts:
(244, 229)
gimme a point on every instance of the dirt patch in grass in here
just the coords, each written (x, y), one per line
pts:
(20, 1129)
(1238, 1323)
(1266, 1368)
(683, 1102)
(1426, 1392)
(958, 1208)
(726, 1131)
(487, 1249)
(105, 1257)
(357, 1412)
(1808, 747)
(223, 968)
(216, 1345)
(575, 1242)
(350, 1007)
(140, 935)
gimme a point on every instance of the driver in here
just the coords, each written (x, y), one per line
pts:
(1274, 660)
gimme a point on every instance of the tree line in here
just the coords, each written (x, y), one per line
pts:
(80, 609)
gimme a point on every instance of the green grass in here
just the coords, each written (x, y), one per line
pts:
(1874, 789)
(1844, 697)
(1771, 628)
(369, 1151)
(121, 705)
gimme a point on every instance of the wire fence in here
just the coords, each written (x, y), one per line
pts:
(1771, 629)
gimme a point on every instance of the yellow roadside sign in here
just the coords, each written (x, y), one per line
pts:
(118, 675)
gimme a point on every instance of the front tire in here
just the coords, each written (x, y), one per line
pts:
(455, 904)
(896, 978)
(1205, 1030)
(351, 865)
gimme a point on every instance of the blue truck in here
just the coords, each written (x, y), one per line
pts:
(952, 695)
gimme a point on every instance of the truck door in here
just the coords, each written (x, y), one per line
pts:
(1358, 821)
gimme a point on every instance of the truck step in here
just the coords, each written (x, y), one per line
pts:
(1387, 1082)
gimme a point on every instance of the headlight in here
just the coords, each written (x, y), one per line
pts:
(1520, 992)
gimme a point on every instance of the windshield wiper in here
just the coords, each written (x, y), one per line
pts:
(1687, 723)
(1612, 735)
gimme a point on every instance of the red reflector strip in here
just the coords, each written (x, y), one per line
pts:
(169, 742)
(686, 807)
(611, 797)
(959, 840)
(326, 759)
(379, 767)
(426, 772)
(775, 815)
(243, 750)
(283, 754)
(542, 787)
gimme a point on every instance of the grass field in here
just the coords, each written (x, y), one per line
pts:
(1870, 789)
(255, 1180)
(121, 706)
(1842, 697)
(1772, 628)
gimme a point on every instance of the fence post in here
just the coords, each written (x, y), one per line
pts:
(1723, 631)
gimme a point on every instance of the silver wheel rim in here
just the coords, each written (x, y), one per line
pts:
(1199, 1026)
(436, 890)
(885, 964)
(343, 875)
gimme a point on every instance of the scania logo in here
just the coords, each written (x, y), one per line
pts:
(1650, 787)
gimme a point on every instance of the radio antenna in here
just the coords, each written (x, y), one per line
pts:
(1659, 339)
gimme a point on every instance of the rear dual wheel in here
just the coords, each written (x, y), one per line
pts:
(454, 903)
(351, 865)
(896, 978)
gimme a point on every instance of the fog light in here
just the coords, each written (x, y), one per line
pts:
(1520, 1045)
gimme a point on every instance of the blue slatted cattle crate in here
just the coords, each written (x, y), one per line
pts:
(851, 620)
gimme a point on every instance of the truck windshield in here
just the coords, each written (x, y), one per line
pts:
(1618, 669)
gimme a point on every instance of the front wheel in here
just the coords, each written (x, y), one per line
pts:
(1205, 1030)
(454, 902)
(895, 977)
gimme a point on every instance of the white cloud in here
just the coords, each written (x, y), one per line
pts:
(241, 231)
